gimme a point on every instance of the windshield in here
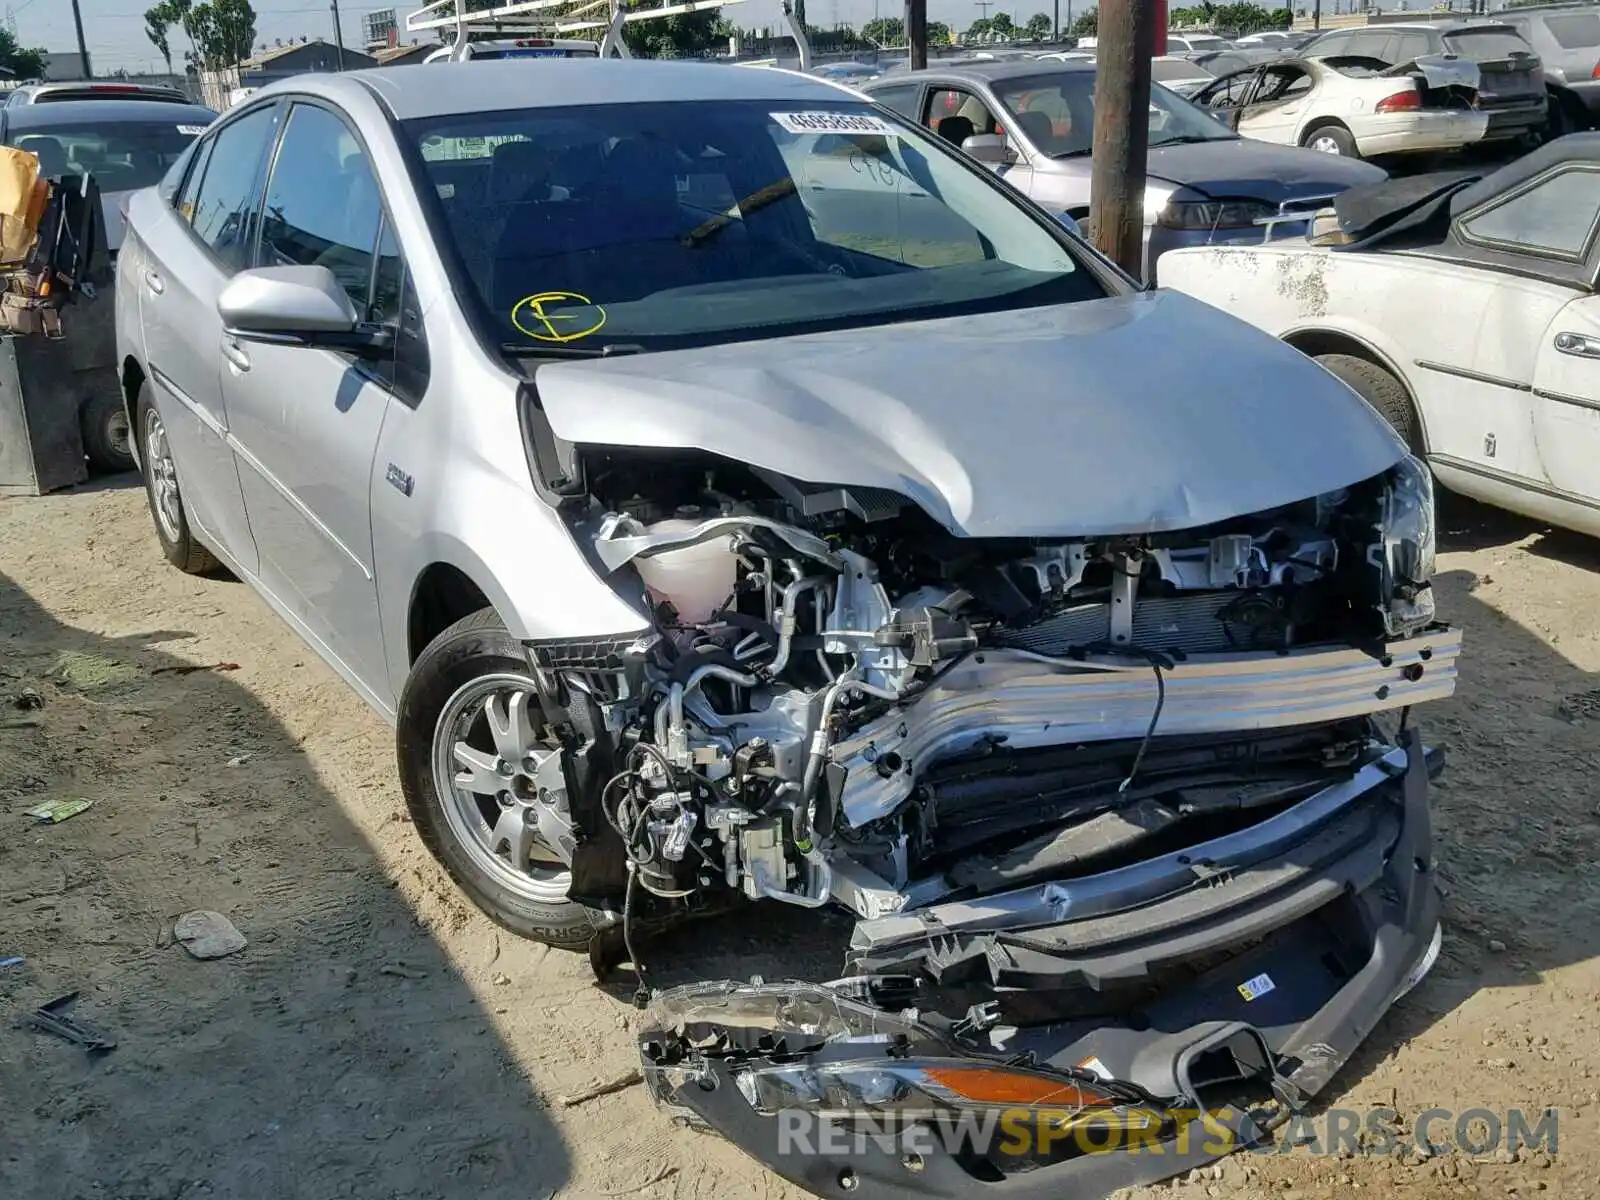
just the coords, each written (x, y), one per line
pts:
(688, 223)
(1056, 113)
(122, 157)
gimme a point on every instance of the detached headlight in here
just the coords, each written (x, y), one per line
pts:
(1404, 555)
(1214, 214)
(927, 1088)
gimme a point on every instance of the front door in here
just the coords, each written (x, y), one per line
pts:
(1276, 108)
(956, 114)
(306, 420)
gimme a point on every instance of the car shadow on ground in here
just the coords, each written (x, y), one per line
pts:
(1511, 849)
(339, 1054)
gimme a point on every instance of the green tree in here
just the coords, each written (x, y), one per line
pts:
(1038, 27)
(885, 31)
(687, 35)
(18, 62)
(1087, 24)
(939, 34)
(221, 31)
(157, 25)
(977, 31)
(1002, 27)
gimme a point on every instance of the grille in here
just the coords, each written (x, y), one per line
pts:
(1191, 624)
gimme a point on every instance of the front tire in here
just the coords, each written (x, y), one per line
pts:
(1332, 139)
(1381, 390)
(182, 549)
(467, 726)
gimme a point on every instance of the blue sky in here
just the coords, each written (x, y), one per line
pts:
(115, 28)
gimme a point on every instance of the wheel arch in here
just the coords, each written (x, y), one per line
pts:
(131, 378)
(1320, 122)
(442, 594)
(1314, 342)
(1577, 111)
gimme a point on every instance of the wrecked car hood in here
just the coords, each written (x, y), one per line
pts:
(1140, 413)
(1262, 170)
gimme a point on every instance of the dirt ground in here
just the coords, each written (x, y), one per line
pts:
(379, 1038)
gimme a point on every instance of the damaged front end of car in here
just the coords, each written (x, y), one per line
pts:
(1130, 847)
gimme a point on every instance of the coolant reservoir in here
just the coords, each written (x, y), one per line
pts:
(696, 580)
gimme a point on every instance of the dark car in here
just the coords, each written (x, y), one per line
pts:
(1511, 90)
(1033, 123)
(1566, 37)
(125, 144)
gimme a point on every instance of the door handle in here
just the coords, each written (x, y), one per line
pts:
(234, 353)
(1578, 345)
(154, 282)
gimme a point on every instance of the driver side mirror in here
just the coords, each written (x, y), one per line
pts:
(991, 149)
(297, 306)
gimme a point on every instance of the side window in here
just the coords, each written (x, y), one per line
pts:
(323, 207)
(184, 200)
(224, 212)
(1556, 218)
(956, 115)
(903, 99)
(1408, 46)
(1228, 92)
(177, 173)
(1371, 43)
(1279, 85)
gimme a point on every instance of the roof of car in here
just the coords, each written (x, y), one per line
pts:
(79, 114)
(989, 70)
(434, 89)
(1441, 26)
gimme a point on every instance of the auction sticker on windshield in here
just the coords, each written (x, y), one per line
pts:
(192, 130)
(832, 122)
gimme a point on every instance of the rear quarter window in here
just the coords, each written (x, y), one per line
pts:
(1574, 31)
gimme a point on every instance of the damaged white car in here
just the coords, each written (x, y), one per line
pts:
(710, 544)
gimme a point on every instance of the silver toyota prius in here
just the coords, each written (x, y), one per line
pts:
(733, 494)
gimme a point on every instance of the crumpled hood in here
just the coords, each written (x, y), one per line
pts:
(1133, 414)
(1244, 167)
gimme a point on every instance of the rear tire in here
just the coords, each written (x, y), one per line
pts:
(1381, 390)
(107, 436)
(182, 549)
(475, 655)
(1332, 139)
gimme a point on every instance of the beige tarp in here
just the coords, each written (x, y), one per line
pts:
(23, 196)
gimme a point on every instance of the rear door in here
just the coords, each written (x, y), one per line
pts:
(305, 420)
(1228, 96)
(1277, 107)
(190, 246)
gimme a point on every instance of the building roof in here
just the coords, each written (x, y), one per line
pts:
(391, 54)
(257, 61)
(432, 89)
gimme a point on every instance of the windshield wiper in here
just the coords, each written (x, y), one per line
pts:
(757, 199)
(609, 350)
(1194, 139)
(1087, 150)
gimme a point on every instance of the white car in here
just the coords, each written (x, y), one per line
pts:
(1196, 43)
(1356, 107)
(1469, 320)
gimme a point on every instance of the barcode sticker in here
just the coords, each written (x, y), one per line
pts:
(1254, 989)
(831, 122)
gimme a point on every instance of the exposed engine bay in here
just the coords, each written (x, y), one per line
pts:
(1075, 791)
(840, 701)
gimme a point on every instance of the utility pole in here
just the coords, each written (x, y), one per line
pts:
(1122, 130)
(917, 33)
(1316, 14)
(338, 34)
(83, 46)
(1055, 22)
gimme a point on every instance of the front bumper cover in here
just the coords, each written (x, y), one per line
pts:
(1339, 926)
